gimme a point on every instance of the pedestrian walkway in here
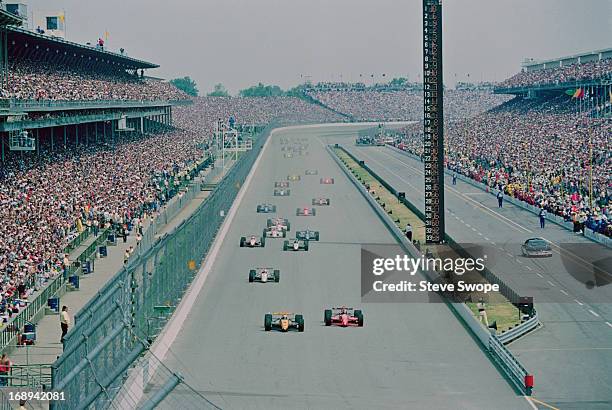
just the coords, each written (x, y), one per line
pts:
(48, 347)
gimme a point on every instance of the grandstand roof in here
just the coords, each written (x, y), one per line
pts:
(532, 64)
(24, 41)
(7, 18)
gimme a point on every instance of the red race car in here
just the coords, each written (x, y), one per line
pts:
(327, 181)
(343, 317)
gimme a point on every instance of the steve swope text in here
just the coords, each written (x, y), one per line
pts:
(404, 263)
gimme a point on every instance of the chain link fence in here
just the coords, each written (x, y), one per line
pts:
(120, 322)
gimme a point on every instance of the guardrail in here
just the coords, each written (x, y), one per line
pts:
(522, 329)
(41, 105)
(588, 233)
(52, 289)
(13, 327)
(552, 86)
(516, 373)
(30, 376)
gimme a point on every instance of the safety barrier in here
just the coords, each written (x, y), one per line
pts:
(132, 308)
(518, 331)
(510, 366)
(556, 219)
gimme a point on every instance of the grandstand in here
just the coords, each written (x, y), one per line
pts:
(549, 146)
(588, 69)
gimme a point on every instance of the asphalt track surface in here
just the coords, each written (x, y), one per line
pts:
(571, 355)
(406, 355)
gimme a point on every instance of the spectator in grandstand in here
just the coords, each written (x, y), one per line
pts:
(5, 369)
(64, 322)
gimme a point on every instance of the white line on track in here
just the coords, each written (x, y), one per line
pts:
(594, 313)
(579, 302)
(468, 225)
(539, 274)
(533, 406)
(550, 283)
(529, 267)
(564, 292)
(487, 239)
(609, 324)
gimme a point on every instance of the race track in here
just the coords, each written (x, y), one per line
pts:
(406, 355)
(577, 332)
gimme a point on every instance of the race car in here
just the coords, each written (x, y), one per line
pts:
(295, 245)
(282, 192)
(279, 222)
(266, 208)
(283, 321)
(307, 235)
(288, 155)
(264, 275)
(253, 241)
(327, 181)
(312, 172)
(321, 201)
(343, 317)
(306, 212)
(536, 247)
(274, 232)
(293, 177)
(281, 184)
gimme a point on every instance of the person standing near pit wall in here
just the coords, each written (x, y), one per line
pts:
(542, 216)
(500, 199)
(482, 312)
(64, 322)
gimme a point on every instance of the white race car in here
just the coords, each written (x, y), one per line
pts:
(264, 275)
(275, 231)
(321, 201)
(253, 241)
(306, 211)
(295, 245)
(279, 222)
(282, 192)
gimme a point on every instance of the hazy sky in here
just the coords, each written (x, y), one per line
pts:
(242, 42)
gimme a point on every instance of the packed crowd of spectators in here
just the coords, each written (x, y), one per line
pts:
(405, 105)
(537, 151)
(37, 81)
(570, 73)
(203, 113)
(48, 197)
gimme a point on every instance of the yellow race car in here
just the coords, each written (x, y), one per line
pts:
(283, 321)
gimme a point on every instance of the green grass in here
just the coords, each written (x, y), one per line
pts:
(499, 309)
